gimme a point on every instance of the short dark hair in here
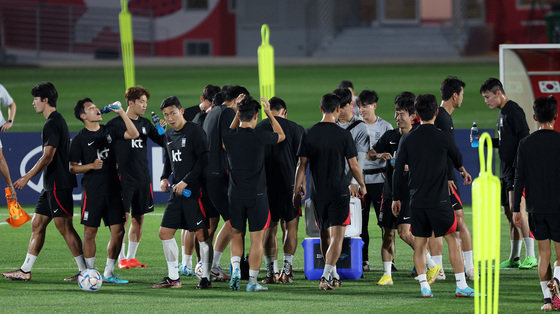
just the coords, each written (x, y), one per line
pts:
(247, 109)
(135, 92)
(235, 91)
(345, 96)
(45, 90)
(329, 102)
(426, 106)
(367, 97)
(346, 84)
(219, 98)
(449, 86)
(405, 101)
(545, 108)
(79, 107)
(492, 85)
(277, 104)
(170, 101)
(226, 87)
(210, 91)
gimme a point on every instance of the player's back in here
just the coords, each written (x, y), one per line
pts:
(215, 124)
(55, 133)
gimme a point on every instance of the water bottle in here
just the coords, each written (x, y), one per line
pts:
(393, 158)
(115, 105)
(155, 120)
(474, 135)
(186, 192)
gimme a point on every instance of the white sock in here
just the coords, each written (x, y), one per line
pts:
(90, 262)
(269, 263)
(235, 263)
(217, 257)
(184, 260)
(28, 263)
(461, 281)
(275, 265)
(205, 257)
(387, 268)
(515, 249)
(430, 261)
(438, 259)
(171, 252)
(468, 259)
(187, 261)
(132, 248)
(545, 291)
(122, 255)
(288, 258)
(335, 274)
(81, 262)
(557, 272)
(253, 274)
(109, 267)
(423, 282)
(529, 246)
(327, 271)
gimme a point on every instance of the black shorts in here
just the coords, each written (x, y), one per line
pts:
(545, 226)
(56, 203)
(254, 210)
(206, 205)
(388, 220)
(440, 220)
(183, 213)
(217, 188)
(507, 176)
(455, 200)
(101, 206)
(137, 199)
(329, 213)
(373, 197)
(281, 205)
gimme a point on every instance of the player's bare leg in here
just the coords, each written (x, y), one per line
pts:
(270, 252)
(113, 249)
(387, 255)
(205, 245)
(290, 245)
(456, 260)
(134, 236)
(420, 247)
(236, 248)
(187, 249)
(466, 244)
(224, 237)
(123, 262)
(436, 250)
(255, 259)
(530, 260)
(515, 238)
(171, 252)
(334, 235)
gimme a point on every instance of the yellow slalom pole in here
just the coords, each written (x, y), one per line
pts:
(127, 44)
(266, 66)
(486, 207)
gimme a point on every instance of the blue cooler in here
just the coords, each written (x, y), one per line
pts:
(349, 265)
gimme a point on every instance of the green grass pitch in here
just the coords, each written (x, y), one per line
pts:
(301, 87)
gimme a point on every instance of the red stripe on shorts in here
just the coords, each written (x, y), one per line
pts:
(58, 202)
(347, 221)
(151, 190)
(454, 225)
(267, 221)
(457, 196)
(201, 207)
(84, 206)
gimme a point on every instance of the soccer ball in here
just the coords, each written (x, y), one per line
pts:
(198, 272)
(90, 280)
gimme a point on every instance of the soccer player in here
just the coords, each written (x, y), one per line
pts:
(425, 151)
(373, 170)
(132, 160)
(452, 90)
(327, 148)
(537, 174)
(512, 127)
(55, 202)
(280, 164)
(7, 101)
(345, 84)
(216, 123)
(248, 200)
(92, 153)
(208, 94)
(186, 156)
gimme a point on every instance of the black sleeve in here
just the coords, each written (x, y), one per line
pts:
(495, 142)
(115, 131)
(302, 151)
(297, 138)
(166, 165)
(519, 182)
(350, 148)
(400, 161)
(201, 151)
(453, 152)
(154, 135)
(226, 118)
(51, 135)
(382, 145)
(75, 151)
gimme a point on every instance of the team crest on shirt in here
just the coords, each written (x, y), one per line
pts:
(144, 130)
(109, 139)
(183, 142)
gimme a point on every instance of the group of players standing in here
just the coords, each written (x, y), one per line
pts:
(230, 166)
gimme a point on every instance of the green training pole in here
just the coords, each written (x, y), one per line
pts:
(127, 44)
(266, 66)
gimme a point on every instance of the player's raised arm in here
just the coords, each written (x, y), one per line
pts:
(131, 131)
(276, 128)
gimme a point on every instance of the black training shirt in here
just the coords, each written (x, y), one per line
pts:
(190, 112)
(57, 174)
(538, 170)
(217, 122)
(444, 122)
(132, 155)
(389, 143)
(512, 127)
(327, 147)
(245, 153)
(425, 150)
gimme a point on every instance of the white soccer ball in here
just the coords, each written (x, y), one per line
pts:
(90, 280)
(198, 272)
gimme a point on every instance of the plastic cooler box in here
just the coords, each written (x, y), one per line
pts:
(349, 265)
(354, 229)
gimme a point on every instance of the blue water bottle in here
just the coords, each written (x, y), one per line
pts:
(115, 105)
(155, 120)
(186, 192)
(474, 135)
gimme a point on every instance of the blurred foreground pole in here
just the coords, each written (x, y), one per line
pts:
(127, 44)
(266, 66)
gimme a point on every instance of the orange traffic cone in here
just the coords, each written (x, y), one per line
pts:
(18, 216)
